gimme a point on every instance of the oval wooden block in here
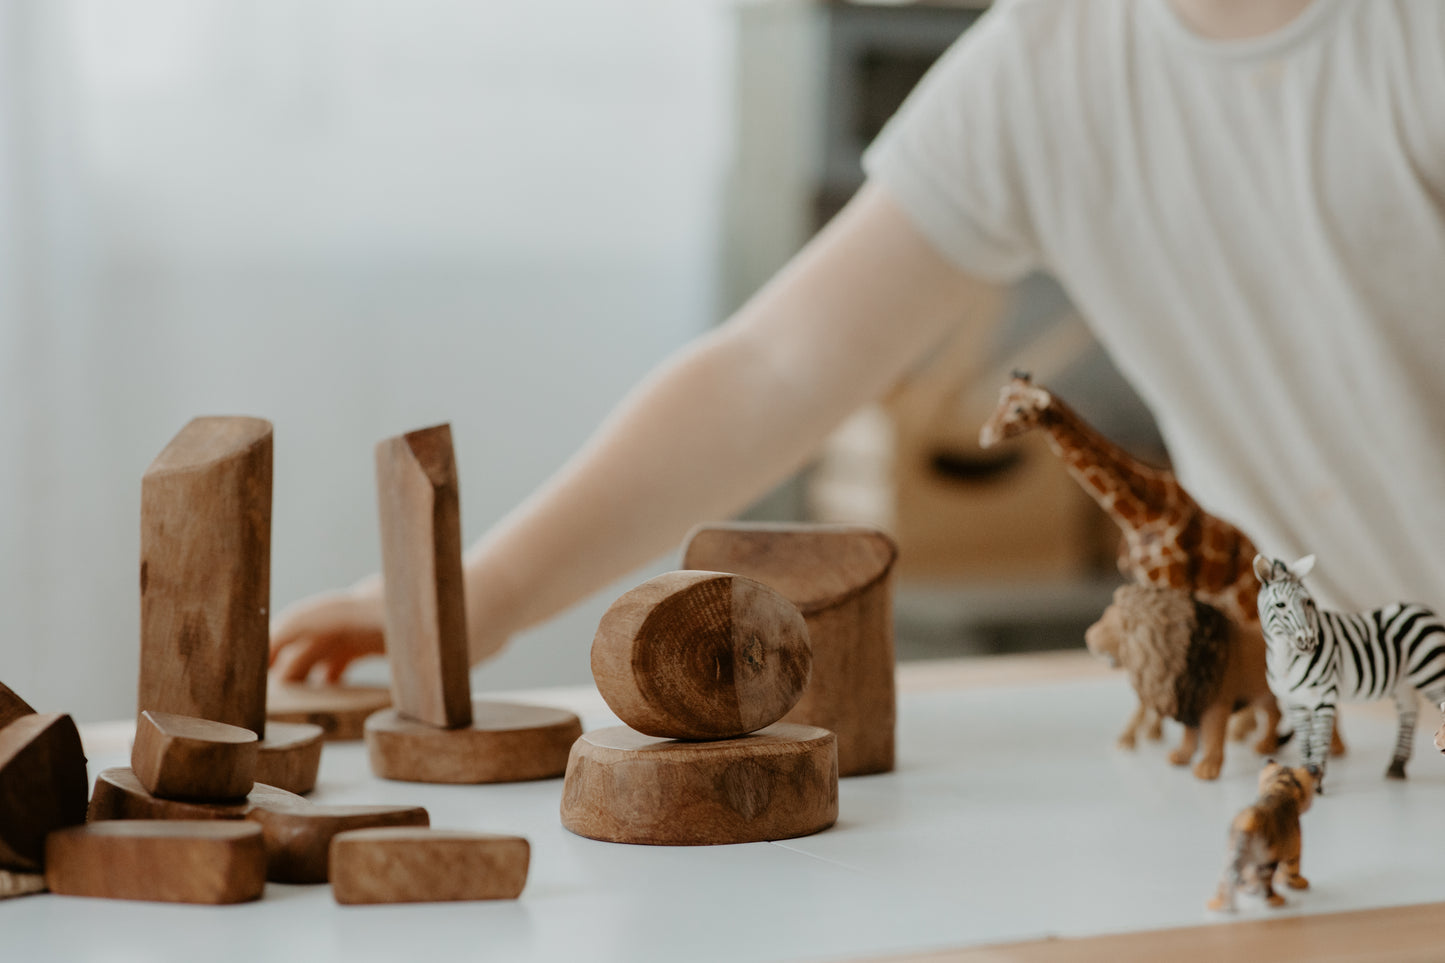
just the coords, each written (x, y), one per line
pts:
(119, 795)
(701, 655)
(182, 757)
(172, 861)
(625, 787)
(290, 756)
(340, 710)
(298, 839)
(506, 742)
(42, 785)
(426, 866)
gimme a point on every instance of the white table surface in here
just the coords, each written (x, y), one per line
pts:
(1011, 816)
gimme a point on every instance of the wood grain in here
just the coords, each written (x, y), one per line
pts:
(298, 838)
(205, 573)
(701, 655)
(172, 861)
(12, 707)
(119, 794)
(625, 787)
(340, 710)
(14, 884)
(421, 560)
(425, 866)
(182, 757)
(840, 578)
(42, 785)
(290, 756)
(506, 742)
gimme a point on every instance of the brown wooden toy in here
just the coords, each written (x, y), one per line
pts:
(20, 884)
(435, 731)
(422, 866)
(12, 707)
(777, 783)
(205, 588)
(340, 710)
(119, 794)
(182, 757)
(173, 861)
(839, 577)
(42, 786)
(298, 838)
(290, 756)
(1264, 839)
(701, 655)
(1188, 661)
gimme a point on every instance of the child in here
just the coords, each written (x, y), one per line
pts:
(1246, 198)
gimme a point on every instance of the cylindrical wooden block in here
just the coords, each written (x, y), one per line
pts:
(290, 756)
(506, 742)
(340, 710)
(181, 757)
(701, 655)
(625, 787)
(173, 861)
(426, 866)
(42, 785)
(840, 578)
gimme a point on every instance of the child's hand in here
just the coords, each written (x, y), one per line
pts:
(331, 630)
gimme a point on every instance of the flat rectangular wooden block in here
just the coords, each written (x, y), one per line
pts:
(43, 785)
(182, 757)
(422, 866)
(171, 861)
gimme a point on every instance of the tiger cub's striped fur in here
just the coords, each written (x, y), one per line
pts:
(1265, 837)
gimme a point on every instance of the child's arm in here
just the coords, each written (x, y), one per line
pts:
(710, 430)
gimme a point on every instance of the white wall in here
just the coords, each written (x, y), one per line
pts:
(353, 218)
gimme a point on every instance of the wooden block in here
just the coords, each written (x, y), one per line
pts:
(340, 710)
(421, 560)
(20, 884)
(506, 742)
(625, 787)
(42, 785)
(205, 573)
(701, 655)
(840, 578)
(182, 757)
(12, 707)
(298, 838)
(171, 861)
(426, 866)
(119, 795)
(290, 756)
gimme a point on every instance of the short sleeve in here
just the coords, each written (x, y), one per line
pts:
(948, 157)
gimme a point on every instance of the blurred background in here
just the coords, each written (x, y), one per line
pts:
(358, 218)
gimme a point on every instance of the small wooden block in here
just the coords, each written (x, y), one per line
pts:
(340, 710)
(701, 655)
(290, 756)
(12, 707)
(840, 577)
(625, 787)
(20, 884)
(298, 839)
(42, 785)
(182, 757)
(171, 861)
(426, 866)
(119, 795)
(506, 742)
(205, 573)
(421, 561)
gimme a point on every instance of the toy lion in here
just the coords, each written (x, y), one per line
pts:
(1264, 838)
(1187, 661)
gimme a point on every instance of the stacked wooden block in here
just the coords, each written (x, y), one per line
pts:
(42, 789)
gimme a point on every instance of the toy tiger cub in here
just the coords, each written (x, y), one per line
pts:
(1265, 837)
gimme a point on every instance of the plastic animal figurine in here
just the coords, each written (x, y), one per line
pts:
(1188, 661)
(1319, 657)
(1265, 837)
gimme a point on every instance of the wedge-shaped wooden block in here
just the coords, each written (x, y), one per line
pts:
(840, 578)
(505, 742)
(182, 757)
(340, 710)
(20, 884)
(42, 785)
(421, 560)
(12, 707)
(290, 756)
(119, 795)
(205, 573)
(172, 861)
(426, 866)
(298, 838)
(701, 655)
(625, 787)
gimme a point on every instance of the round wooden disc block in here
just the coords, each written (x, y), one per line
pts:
(777, 783)
(506, 742)
(340, 710)
(290, 756)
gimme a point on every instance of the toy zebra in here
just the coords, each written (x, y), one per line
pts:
(1317, 658)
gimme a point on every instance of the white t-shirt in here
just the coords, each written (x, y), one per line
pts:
(1256, 232)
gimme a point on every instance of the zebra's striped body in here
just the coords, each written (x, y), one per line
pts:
(1317, 659)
